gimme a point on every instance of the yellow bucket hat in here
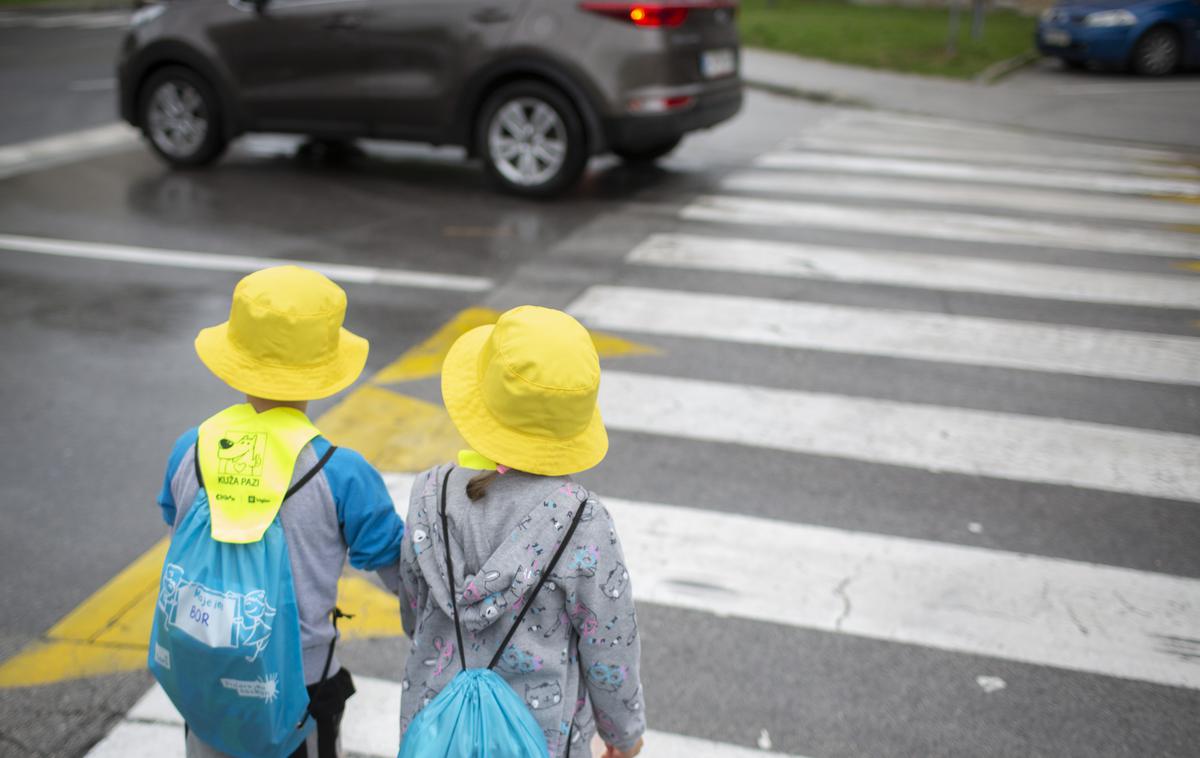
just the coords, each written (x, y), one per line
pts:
(284, 338)
(523, 392)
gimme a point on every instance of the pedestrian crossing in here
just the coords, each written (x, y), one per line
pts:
(713, 279)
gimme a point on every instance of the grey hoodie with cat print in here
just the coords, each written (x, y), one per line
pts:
(575, 659)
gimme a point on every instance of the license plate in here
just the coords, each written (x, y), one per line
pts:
(1056, 37)
(715, 63)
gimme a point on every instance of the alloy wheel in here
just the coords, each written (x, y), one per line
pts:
(527, 141)
(177, 119)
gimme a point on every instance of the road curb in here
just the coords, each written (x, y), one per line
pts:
(1001, 69)
(813, 96)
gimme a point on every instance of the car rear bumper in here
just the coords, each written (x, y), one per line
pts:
(709, 108)
(1103, 45)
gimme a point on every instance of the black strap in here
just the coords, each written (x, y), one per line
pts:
(562, 546)
(462, 656)
(337, 614)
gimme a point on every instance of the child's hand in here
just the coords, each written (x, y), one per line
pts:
(612, 752)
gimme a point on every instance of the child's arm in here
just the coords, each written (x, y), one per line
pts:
(368, 519)
(409, 588)
(166, 496)
(600, 606)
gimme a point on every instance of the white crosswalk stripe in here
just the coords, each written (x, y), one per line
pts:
(963, 172)
(917, 270)
(986, 156)
(371, 729)
(902, 334)
(966, 227)
(934, 438)
(1036, 610)
(965, 194)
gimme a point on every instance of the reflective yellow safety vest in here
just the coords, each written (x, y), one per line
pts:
(247, 460)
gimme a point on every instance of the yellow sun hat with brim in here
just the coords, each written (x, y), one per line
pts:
(284, 339)
(523, 392)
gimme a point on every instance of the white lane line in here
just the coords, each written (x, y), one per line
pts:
(986, 156)
(1045, 611)
(937, 272)
(967, 227)
(912, 335)
(216, 262)
(110, 20)
(65, 148)
(934, 438)
(1046, 177)
(1110, 207)
(371, 727)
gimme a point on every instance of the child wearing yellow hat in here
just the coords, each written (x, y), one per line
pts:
(257, 482)
(523, 395)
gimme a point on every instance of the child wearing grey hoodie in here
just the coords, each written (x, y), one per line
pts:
(575, 661)
(524, 393)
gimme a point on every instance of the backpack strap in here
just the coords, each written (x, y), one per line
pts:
(562, 547)
(462, 656)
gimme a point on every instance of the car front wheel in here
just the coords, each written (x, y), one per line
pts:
(1157, 53)
(180, 115)
(531, 140)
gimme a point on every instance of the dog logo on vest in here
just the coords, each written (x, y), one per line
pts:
(241, 454)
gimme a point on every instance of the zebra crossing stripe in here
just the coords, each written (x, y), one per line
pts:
(933, 438)
(967, 227)
(938, 272)
(962, 194)
(968, 340)
(963, 172)
(43, 153)
(371, 729)
(1031, 609)
(988, 155)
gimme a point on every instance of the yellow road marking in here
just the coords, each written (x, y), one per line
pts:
(425, 360)
(1193, 199)
(1187, 228)
(392, 431)
(1189, 266)
(110, 631)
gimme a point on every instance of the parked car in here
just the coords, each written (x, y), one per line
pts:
(533, 87)
(1151, 37)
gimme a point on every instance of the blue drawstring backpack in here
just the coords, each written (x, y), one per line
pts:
(225, 644)
(478, 715)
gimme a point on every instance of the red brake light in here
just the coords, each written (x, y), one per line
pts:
(642, 14)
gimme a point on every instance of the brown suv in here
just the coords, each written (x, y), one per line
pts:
(533, 87)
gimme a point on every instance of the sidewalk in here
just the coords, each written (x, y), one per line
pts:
(1041, 96)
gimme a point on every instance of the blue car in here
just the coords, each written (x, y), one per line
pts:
(1151, 37)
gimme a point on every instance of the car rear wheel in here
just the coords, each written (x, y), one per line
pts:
(1157, 53)
(181, 116)
(531, 139)
(647, 153)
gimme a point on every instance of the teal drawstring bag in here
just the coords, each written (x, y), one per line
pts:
(478, 715)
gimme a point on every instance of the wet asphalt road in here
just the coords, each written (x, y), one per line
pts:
(99, 376)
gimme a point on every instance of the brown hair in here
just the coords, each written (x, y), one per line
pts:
(478, 485)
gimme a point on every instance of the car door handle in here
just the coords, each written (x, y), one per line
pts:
(491, 15)
(342, 22)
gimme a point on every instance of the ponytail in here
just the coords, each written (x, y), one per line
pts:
(478, 485)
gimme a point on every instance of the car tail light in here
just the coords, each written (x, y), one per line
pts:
(659, 104)
(642, 14)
